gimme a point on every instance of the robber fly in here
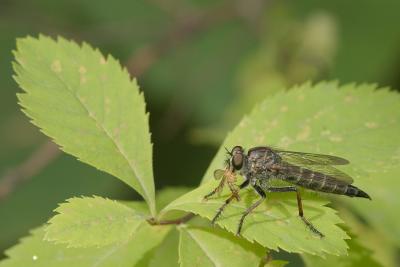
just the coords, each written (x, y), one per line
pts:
(262, 164)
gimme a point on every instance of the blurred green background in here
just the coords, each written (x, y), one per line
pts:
(202, 64)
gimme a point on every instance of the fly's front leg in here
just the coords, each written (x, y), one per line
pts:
(231, 179)
(299, 205)
(252, 207)
(217, 190)
(235, 190)
(227, 201)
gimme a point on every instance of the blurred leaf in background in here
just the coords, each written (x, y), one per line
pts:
(289, 52)
(358, 256)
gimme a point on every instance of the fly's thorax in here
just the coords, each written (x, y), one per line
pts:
(260, 161)
(255, 164)
(263, 155)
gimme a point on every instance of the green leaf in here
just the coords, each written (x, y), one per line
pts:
(359, 123)
(166, 254)
(34, 251)
(200, 246)
(276, 263)
(166, 196)
(163, 198)
(140, 207)
(275, 223)
(358, 256)
(96, 221)
(384, 251)
(89, 105)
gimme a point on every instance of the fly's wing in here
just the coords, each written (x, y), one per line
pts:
(310, 158)
(218, 174)
(294, 163)
(331, 172)
(313, 171)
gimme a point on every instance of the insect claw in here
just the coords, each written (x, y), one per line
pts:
(315, 231)
(236, 196)
(238, 231)
(312, 228)
(215, 219)
(321, 235)
(207, 197)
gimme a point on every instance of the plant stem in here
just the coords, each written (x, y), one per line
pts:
(180, 220)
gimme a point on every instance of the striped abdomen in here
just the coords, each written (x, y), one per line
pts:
(321, 182)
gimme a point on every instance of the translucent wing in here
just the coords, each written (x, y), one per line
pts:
(313, 171)
(331, 172)
(301, 158)
(320, 164)
(218, 174)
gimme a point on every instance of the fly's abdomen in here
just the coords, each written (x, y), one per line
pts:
(321, 182)
(353, 191)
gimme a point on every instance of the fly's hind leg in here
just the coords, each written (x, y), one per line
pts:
(299, 206)
(309, 225)
(228, 200)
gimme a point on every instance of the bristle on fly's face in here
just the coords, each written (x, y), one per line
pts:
(227, 161)
(228, 152)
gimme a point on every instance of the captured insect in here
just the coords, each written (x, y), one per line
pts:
(263, 164)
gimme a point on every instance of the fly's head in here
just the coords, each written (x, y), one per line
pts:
(236, 158)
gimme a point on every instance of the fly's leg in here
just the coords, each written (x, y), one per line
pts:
(217, 190)
(299, 206)
(228, 200)
(309, 225)
(221, 209)
(252, 207)
(235, 190)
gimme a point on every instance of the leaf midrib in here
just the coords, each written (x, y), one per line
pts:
(206, 252)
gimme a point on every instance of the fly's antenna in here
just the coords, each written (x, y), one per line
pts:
(228, 152)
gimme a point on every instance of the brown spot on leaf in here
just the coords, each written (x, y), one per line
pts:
(348, 99)
(82, 80)
(304, 133)
(336, 138)
(82, 70)
(371, 125)
(56, 66)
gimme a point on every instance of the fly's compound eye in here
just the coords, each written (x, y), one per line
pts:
(237, 161)
(237, 157)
